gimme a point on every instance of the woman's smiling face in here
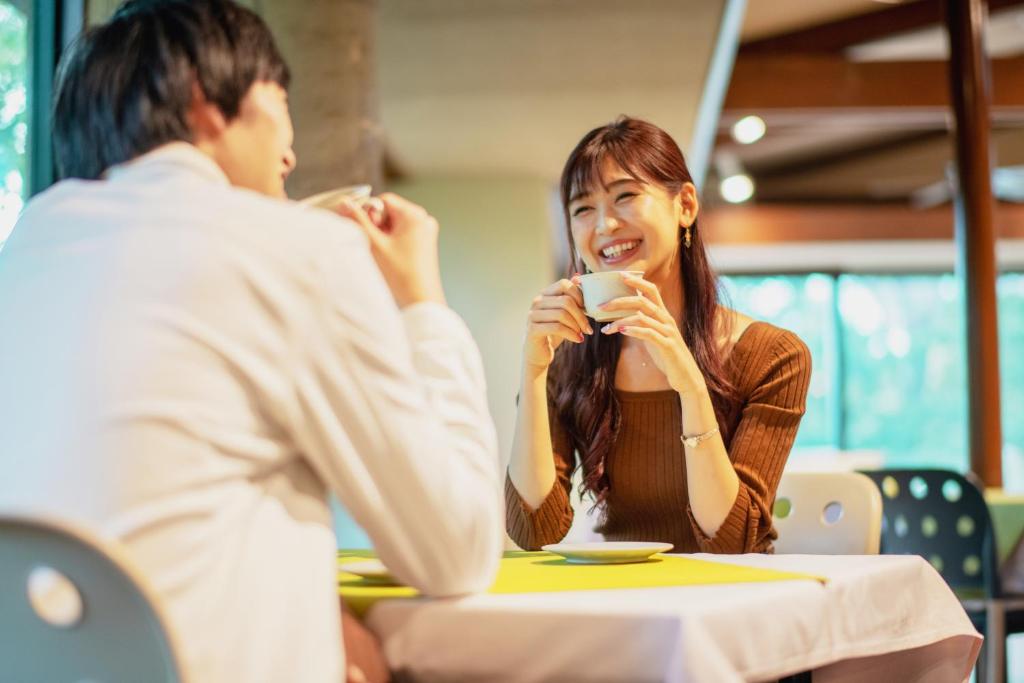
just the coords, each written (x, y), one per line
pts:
(622, 223)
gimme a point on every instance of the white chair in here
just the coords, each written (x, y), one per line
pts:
(73, 608)
(827, 513)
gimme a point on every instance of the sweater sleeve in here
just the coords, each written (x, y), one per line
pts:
(529, 528)
(780, 373)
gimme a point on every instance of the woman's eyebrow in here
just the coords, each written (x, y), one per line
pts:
(614, 183)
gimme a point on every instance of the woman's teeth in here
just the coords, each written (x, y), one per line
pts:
(618, 249)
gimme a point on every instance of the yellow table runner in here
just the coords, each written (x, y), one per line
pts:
(541, 572)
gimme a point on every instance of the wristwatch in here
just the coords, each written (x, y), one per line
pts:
(695, 440)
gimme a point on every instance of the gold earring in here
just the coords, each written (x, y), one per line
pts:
(686, 236)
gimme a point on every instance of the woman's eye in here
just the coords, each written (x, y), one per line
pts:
(625, 195)
(580, 211)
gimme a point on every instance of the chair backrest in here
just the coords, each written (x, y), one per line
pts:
(827, 513)
(72, 608)
(942, 516)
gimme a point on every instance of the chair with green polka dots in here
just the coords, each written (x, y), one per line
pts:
(942, 516)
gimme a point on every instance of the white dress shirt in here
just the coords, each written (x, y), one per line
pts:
(190, 368)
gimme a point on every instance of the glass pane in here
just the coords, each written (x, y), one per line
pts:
(13, 114)
(801, 304)
(904, 370)
(1011, 374)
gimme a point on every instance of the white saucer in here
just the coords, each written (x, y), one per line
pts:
(369, 570)
(610, 552)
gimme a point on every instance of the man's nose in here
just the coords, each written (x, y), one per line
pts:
(289, 160)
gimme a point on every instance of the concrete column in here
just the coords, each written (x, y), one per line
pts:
(329, 45)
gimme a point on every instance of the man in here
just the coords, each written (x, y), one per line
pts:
(190, 363)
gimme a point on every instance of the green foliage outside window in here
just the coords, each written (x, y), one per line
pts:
(1011, 372)
(801, 304)
(13, 114)
(904, 368)
(889, 356)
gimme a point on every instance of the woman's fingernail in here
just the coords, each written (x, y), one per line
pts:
(580, 336)
(590, 330)
(607, 328)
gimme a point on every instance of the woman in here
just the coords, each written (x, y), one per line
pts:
(682, 413)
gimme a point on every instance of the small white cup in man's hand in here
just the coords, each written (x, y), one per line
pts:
(356, 194)
(360, 195)
(600, 288)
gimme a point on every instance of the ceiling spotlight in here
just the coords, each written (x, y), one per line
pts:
(736, 189)
(748, 129)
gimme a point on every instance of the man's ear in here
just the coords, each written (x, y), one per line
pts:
(205, 118)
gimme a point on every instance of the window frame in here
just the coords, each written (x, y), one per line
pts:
(53, 25)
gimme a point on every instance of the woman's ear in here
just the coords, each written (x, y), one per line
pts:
(205, 118)
(687, 204)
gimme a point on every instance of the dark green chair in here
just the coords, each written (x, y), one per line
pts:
(942, 516)
(72, 608)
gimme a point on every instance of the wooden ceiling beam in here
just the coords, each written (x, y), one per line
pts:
(841, 156)
(762, 83)
(780, 223)
(835, 36)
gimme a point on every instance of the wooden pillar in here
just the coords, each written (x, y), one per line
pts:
(329, 46)
(975, 230)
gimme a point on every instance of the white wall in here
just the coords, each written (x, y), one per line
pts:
(496, 255)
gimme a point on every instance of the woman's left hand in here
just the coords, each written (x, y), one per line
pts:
(651, 323)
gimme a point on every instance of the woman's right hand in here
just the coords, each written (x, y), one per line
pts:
(555, 316)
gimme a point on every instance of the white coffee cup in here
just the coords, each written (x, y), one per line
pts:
(600, 288)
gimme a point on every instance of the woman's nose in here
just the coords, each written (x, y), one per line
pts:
(606, 222)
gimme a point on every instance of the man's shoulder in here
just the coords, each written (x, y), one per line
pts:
(206, 222)
(289, 220)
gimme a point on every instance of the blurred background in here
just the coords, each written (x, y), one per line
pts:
(819, 134)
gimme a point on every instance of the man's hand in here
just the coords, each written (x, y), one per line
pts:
(403, 240)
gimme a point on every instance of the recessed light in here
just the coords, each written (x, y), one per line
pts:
(736, 189)
(748, 129)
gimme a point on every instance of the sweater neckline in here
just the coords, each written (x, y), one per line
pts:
(664, 394)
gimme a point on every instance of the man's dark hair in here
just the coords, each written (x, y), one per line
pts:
(124, 88)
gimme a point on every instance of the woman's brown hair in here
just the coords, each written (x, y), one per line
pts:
(582, 379)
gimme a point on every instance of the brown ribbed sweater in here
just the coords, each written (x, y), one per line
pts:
(648, 499)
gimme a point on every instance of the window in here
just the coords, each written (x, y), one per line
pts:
(1010, 291)
(904, 368)
(889, 353)
(804, 305)
(14, 79)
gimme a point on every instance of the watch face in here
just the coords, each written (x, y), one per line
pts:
(696, 440)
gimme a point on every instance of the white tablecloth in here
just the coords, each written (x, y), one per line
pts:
(879, 618)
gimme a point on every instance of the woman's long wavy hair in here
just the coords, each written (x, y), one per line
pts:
(582, 378)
